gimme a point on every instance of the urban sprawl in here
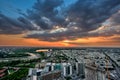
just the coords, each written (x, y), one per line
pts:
(31, 63)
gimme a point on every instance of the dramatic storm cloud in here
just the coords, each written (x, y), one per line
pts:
(89, 14)
(14, 26)
(55, 20)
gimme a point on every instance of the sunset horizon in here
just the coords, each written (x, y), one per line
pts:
(60, 23)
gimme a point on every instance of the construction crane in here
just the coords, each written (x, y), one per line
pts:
(107, 71)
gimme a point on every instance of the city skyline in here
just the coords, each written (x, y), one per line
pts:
(60, 23)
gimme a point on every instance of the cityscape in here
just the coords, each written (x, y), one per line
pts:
(59, 39)
(34, 63)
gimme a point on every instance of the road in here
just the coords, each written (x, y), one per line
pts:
(114, 64)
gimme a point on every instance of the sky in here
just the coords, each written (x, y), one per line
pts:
(60, 23)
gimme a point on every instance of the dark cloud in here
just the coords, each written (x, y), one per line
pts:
(47, 9)
(76, 20)
(55, 36)
(86, 15)
(13, 26)
(89, 14)
(115, 19)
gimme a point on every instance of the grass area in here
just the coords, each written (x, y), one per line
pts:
(17, 53)
(19, 63)
(21, 73)
(61, 57)
(28, 65)
(42, 55)
(11, 71)
(10, 63)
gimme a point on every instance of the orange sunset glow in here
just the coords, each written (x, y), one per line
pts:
(17, 40)
(62, 23)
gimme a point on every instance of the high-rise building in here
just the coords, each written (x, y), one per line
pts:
(67, 69)
(80, 69)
